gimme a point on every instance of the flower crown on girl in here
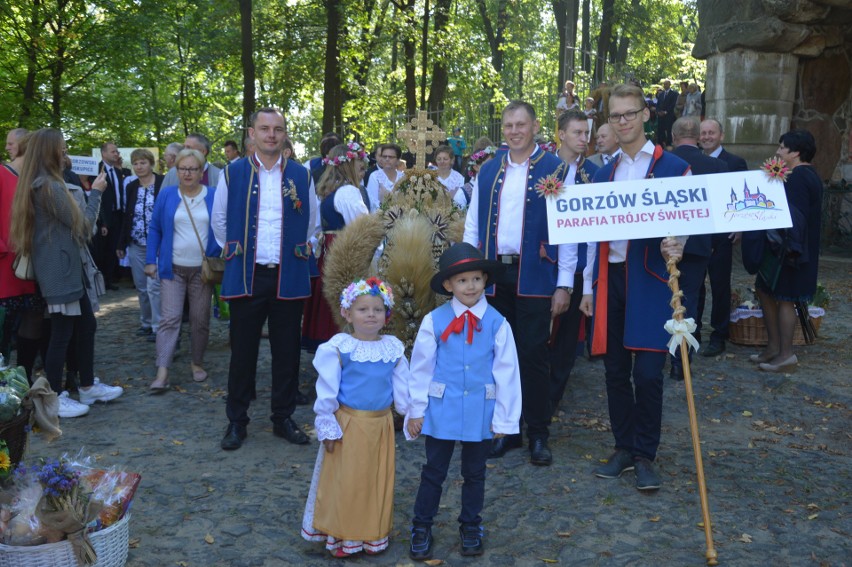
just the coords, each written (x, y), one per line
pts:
(371, 286)
(355, 152)
(478, 158)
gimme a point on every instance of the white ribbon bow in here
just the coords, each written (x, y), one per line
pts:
(681, 330)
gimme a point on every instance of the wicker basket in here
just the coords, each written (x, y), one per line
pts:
(15, 433)
(110, 544)
(750, 330)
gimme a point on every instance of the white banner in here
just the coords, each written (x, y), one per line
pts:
(670, 206)
(84, 165)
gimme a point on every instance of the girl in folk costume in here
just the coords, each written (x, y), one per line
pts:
(451, 179)
(341, 202)
(474, 162)
(350, 503)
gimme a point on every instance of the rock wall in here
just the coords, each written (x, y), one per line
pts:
(773, 65)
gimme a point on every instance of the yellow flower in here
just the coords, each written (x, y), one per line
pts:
(5, 461)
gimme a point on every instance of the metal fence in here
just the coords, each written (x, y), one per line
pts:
(837, 215)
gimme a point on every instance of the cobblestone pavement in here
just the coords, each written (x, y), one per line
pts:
(776, 455)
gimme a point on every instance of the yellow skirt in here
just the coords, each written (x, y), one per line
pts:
(355, 491)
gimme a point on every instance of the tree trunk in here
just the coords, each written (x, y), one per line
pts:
(604, 39)
(32, 50)
(409, 52)
(424, 53)
(370, 40)
(440, 74)
(154, 104)
(586, 42)
(521, 79)
(332, 105)
(494, 35)
(57, 69)
(566, 12)
(247, 59)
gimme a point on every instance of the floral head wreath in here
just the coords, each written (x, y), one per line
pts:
(478, 158)
(548, 146)
(371, 286)
(355, 152)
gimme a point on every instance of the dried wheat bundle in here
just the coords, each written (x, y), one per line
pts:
(349, 258)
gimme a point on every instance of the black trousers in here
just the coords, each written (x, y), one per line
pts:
(438, 454)
(719, 270)
(248, 314)
(634, 379)
(563, 348)
(62, 328)
(104, 249)
(529, 318)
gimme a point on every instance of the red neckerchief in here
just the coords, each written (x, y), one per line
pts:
(457, 326)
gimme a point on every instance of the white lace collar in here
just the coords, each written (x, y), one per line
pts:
(387, 349)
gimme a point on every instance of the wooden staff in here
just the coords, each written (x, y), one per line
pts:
(679, 310)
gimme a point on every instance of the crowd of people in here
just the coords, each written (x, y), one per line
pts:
(485, 367)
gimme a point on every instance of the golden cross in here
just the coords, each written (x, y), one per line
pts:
(423, 133)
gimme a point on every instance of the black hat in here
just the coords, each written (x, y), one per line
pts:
(463, 257)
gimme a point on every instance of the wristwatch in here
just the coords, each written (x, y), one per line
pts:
(570, 290)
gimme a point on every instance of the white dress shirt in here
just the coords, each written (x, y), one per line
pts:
(628, 168)
(510, 220)
(271, 200)
(454, 183)
(715, 153)
(380, 179)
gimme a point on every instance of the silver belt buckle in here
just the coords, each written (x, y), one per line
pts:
(270, 266)
(506, 258)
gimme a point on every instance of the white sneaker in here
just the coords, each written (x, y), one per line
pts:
(71, 408)
(100, 393)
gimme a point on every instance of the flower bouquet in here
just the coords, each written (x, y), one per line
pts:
(65, 509)
(14, 417)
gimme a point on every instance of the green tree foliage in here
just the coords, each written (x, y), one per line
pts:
(147, 72)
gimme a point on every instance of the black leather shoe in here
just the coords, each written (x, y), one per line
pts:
(471, 539)
(290, 431)
(420, 546)
(143, 331)
(500, 445)
(234, 436)
(112, 287)
(301, 399)
(713, 349)
(676, 373)
(540, 454)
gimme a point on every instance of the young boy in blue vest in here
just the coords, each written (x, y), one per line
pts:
(465, 386)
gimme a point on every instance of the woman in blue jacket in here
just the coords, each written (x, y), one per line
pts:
(179, 237)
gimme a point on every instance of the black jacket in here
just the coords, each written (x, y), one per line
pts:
(700, 164)
(132, 196)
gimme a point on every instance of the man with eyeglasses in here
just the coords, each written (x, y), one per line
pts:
(263, 214)
(629, 317)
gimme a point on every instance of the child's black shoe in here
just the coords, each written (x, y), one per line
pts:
(471, 539)
(421, 543)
